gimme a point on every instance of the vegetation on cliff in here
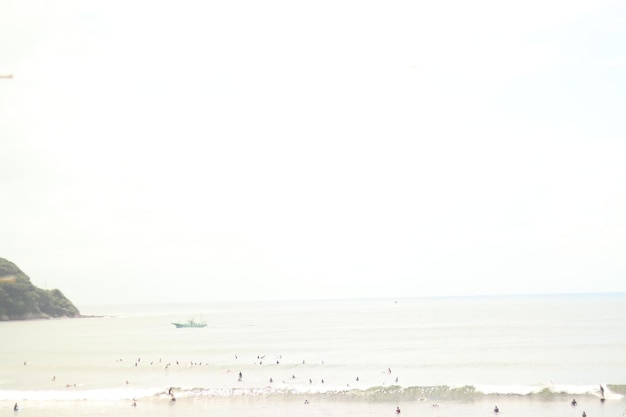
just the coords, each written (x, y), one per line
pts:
(21, 300)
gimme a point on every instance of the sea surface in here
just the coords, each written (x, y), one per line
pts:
(431, 357)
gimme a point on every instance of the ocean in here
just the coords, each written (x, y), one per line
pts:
(430, 357)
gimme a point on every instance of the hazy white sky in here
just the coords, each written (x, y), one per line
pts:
(234, 150)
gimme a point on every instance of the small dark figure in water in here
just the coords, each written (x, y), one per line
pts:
(574, 401)
(397, 410)
(496, 409)
(584, 414)
(602, 391)
(15, 407)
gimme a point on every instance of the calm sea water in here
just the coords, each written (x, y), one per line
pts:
(431, 357)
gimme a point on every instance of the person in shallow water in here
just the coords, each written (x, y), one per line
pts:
(574, 401)
(397, 410)
(496, 409)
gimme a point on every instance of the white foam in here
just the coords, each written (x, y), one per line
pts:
(72, 394)
(554, 388)
(509, 389)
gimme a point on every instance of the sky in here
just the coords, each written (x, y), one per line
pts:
(155, 151)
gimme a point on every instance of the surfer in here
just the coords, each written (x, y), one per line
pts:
(496, 409)
(601, 391)
(574, 401)
(397, 410)
(584, 414)
(15, 407)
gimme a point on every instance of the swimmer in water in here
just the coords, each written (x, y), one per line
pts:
(398, 410)
(496, 409)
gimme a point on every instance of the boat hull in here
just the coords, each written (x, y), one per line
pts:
(190, 323)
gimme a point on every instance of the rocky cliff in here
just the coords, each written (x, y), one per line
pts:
(21, 300)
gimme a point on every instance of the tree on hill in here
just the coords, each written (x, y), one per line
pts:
(21, 300)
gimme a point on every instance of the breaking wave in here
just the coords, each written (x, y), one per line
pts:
(438, 393)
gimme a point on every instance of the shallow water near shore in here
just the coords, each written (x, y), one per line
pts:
(440, 357)
(271, 407)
